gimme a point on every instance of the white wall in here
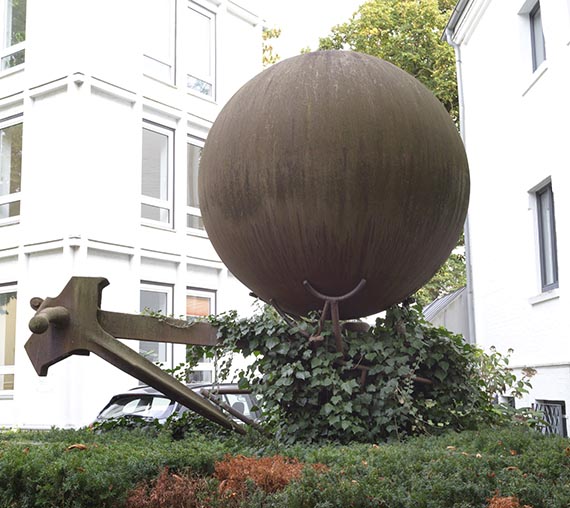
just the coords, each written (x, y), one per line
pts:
(516, 132)
(83, 97)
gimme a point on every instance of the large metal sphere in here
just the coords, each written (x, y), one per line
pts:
(333, 167)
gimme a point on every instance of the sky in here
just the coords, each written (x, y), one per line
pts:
(302, 22)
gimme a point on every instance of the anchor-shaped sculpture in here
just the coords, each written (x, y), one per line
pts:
(73, 323)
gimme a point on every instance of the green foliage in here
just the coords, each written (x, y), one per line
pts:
(453, 470)
(406, 33)
(418, 379)
(449, 278)
(268, 56)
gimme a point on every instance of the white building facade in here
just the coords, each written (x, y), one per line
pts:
(513, 60)
(104, 108)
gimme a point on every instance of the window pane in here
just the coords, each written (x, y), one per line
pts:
(199, 85)
(7, 336)
(201, 60)
(8, 210)
(198, 305)
(538, 46)
(156, 301)
(14, 29)
(6, 381)
(12, 60)
(195, 222)
(10, 159)
(200, 376)
(547, 237)
(155, 165)
(158, 29)
(193, 153)
(155, 213)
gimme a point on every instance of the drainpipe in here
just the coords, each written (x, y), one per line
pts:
(472, 339)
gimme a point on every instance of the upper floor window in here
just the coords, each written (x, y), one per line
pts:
(157, 174)
(7, 337)
(202, 60)
(547, 237)
(159, 39)
(13, 26)
(10, 171)
(193, 215)
(537, 37)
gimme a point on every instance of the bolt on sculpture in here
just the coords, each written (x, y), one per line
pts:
(332, 180)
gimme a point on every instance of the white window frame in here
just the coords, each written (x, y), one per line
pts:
(8, 51)
(211, 77)
(193, 211)
(157, 287)
(8, 369)
(206, 365)
(168, 203)
(14, 196)
(163, 67)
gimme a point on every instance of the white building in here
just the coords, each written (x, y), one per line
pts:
(104, 106)
(513, 60)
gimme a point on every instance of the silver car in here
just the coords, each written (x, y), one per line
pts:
(146, 403)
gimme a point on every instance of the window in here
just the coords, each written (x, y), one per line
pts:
(7, 337)
(202, 51)
(159, 37)
(13, 25)
(537, 37)
(553, 415)
(155, 298)
(193, 215)
(547, 237)
(10, 171)
(157, 174)
(200, 303)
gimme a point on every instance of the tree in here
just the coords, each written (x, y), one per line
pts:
(268, 56)
(408, 33)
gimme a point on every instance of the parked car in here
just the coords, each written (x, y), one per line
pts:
(146, 403)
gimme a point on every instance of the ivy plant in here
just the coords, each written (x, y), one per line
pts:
(401, 377)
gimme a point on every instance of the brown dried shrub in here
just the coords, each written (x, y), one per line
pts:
(505, 502)
(270, 474)
(170, 490)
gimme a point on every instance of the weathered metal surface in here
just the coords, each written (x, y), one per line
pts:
(177, 331)
(333, 167)
(69, 324)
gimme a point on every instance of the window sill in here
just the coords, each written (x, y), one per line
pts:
(536, 75)
(553, 294)
(10, 222)
(12, 70)
(207, 98)
(197, 232)
(157, 225)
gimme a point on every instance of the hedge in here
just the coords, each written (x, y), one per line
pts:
(81, 469)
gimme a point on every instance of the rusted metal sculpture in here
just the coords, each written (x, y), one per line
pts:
(333, 167)
(73, 323)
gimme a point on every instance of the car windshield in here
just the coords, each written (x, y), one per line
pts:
(146, 406)
(242, 403)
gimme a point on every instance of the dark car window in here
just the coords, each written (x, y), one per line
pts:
(146, 406)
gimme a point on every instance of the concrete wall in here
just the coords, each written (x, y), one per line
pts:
(84, 95)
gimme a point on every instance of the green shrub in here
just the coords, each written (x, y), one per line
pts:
(459, 470)
(312, 393)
